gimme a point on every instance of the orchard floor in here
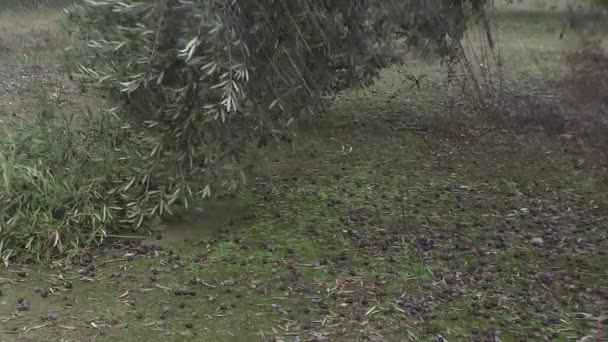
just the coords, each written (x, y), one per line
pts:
(372, 228)
(409, 236)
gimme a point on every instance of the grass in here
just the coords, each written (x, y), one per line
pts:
(329, 254)
(334, 252)
(64, 188)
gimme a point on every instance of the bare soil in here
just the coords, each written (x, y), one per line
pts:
(31, 75)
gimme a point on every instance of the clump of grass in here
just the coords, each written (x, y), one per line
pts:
(61, 188)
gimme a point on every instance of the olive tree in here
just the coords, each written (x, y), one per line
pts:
(209, 77)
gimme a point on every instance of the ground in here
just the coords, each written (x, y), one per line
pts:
(375, 227)
(32, 45)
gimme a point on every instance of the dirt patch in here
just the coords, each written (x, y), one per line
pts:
(30, 35)
(26, 89)
(586, 86)
(569, 102)
(585, 90)
(32, 47)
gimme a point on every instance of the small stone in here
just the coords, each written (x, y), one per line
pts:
(537, 241)
(165, 311)
(189, 325)
(44, 292)
(23, 305)
(547, 277)
(438, 338)
(185, 292)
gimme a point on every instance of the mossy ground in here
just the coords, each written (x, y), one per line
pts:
(410, 235)
(406, 237)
